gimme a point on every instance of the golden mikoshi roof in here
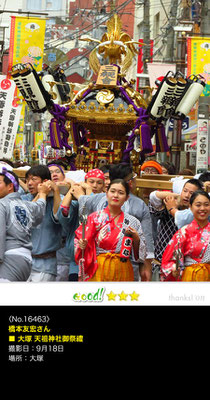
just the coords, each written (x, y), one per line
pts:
(102, 103)
(98, 108)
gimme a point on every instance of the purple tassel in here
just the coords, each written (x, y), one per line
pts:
(65, 138)
(75, 134)
(129, 148)
(72, 165)
(57, 126)
(145, 138)
(55, 136)
(161, 140)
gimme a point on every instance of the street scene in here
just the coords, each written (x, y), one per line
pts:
(104, 142)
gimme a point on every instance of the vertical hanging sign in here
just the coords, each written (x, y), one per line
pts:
(198, 59)
(27, 41)
(27, 36)
(202, 146)
(7, 90)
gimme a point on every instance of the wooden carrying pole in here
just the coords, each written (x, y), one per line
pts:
(149, 181)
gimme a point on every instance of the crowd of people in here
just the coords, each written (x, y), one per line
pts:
(77, 226)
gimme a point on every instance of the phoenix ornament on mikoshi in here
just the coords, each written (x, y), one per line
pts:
(115, 45)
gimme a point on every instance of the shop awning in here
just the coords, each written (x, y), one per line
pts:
(190, 133)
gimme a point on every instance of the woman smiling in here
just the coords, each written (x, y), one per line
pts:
(187, 256)
(104, 242)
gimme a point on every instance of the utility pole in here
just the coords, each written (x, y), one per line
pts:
(205, 18)
(169, 56)
(204, 101)
(181, 51)
(2, 39)
(146, 36)
(170, 53)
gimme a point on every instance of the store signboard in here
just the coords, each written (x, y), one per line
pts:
(189, 148)
(9, 116)
(202, 146)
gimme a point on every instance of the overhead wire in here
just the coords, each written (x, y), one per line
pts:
(102, 20)
(160, 37)
(84, 55)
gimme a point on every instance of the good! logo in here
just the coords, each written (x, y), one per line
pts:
(92, 297)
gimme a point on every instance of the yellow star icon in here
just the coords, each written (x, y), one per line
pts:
(111, 296)
(134, 296)
(123, 296)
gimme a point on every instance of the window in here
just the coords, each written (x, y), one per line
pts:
(49, 5)
(55, 5)
(34, 5)
(156, 26)
(140, 30)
